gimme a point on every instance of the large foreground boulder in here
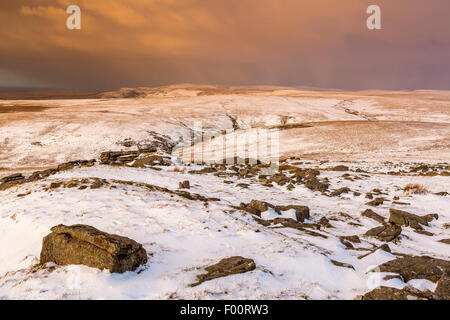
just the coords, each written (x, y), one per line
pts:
(82, 244)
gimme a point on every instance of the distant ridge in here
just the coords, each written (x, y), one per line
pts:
(24, 94)
(192, 90)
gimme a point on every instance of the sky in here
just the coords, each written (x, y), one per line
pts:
(316, 43)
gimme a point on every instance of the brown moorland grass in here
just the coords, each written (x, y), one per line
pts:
(415, 189)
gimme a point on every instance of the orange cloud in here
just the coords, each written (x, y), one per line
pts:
(291, 42)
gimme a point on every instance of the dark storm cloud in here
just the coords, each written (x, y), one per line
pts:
(321, 43)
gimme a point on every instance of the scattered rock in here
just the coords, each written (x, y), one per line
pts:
(347, 244)
(55, 185)
(324, 222)
(342, 264)
(446, 241)
(280, 179)
(151, 160)
(354, 239)
(243, 185)
(260, 206)
(345, 215)
(96, 184)
(291, 223)
(263, 222)
(425, 233)
(401, 203)
(376, 202)
(387, 232)
(256, 207)
(442, 291)
(226, 267)
(373, 215)
(391, 276)
(340, 168)
(301, 212)
(348, 240)
(384, 247)
(203, 171)
(184, 185)
(387, 293)
(340, 191)
(315, 185)
(82, 244)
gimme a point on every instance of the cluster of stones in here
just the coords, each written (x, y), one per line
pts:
(138, 158)
(442, 169)
(256, 207)
(286, 175)
(390, 230)
(81, 184)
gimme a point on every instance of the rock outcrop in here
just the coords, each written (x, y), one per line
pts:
(403, 218)
(388, 293)
(442, 290)
(118, 157)
(418, 267)
(18, 178)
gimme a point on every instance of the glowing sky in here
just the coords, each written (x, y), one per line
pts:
(320, 43)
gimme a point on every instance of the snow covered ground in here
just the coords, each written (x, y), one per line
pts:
(183, 236)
